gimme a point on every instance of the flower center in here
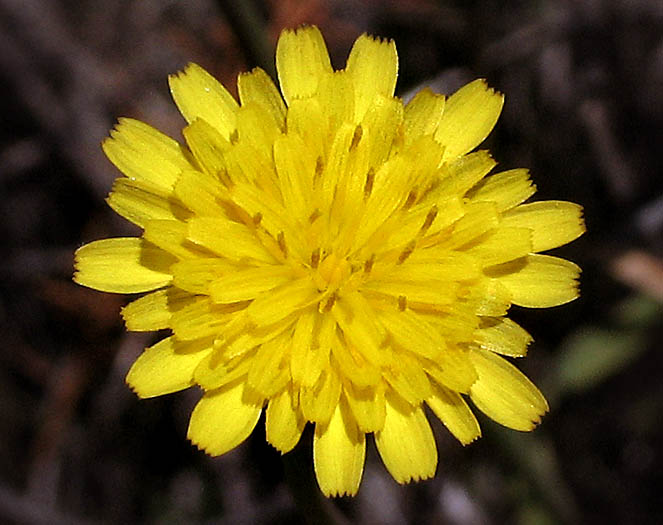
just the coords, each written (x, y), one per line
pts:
(332, 272)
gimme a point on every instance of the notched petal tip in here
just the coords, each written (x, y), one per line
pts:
(302, 61)
(469, 116)
(339, 452)
(166, 367)
(198, 94)
(204, 448)
(539, 281)
(489, 88)
(121, 265)
(143, 153)
(222, 420)
(469, 442)
(378, 39)
(302, 28)
(339, 493)
(139, 391)
(189, 68)
(416, 477)
(180, 75)
(481, 84)
(582, 224)
(373, 67)
(505, 394)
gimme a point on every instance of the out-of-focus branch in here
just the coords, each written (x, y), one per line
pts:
(613, 162)
(641, 271)
(251, 32)
(18, 508)
(35, 43)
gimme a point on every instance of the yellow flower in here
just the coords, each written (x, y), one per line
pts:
(333, 256)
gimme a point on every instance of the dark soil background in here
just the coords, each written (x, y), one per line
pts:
(584, 111)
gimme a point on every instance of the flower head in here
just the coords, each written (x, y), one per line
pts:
(333, 256)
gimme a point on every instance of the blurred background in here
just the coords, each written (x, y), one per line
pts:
(584, 111)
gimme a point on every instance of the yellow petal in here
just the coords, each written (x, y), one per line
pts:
(504, 394)
(337, 100)
(199, 319)
(431, 292)
(339, 450)
(353, 366)
(283, 422)
(553, 223)
(267, 374)
(373, 66)
(456, 322)
(256, 130)
(405, 443)
(452, 369)
(408, 379)
(296, 169)
(223, 419)
(382, 123)
(166, 367)
(170, 236)
(454, 413)
(140, 202)
(210, 374)
(153, 311)
(428, 291)
(506, 189)
(390, 189)
(239, 337)
(319, 402)
(229, 239)
(251, 161)
(538, 281)
(459, 175)
(305, 117)
(503, 336)
(301, 60)
(196, 275)
(122, 265)
(249, 283)
(352, 165)
(442, 266)
(424, 158)
(310, 357)
(469, 116)
(257, 203)
(208, 147)
(492, 298)
(257, 88)
(302, 344)
(201, 193)
(280, 303)
(502, 245)
(199, 95)
(367, 406)
(479, 218)
(425, 219)
(338, 162)
(412, 332)
(423, 114)
(356, 318)
(142, 153)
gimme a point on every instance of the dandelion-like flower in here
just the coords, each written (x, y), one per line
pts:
(333, 256)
